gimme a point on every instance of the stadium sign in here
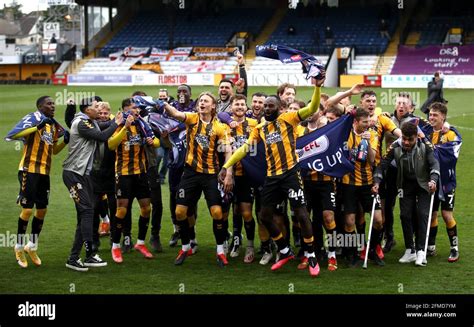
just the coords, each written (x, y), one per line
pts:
(83, 79)
(421, 81)
(277, 79)
(50, 29)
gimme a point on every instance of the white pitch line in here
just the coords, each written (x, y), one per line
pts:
(466, 128)
(461, 115)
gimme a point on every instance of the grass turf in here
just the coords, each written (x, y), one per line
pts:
(200, 274)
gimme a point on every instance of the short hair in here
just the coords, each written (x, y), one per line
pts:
(406, 95)
(186, 85)
(104, 105)
(226, 80)
(300, 103)
(281, 88)
(361, 113)
(439, 107)
(139, 93)
(336, 109)
(40, 100)
(278, 100)
(126, 102)
(238, 97)
(367, 93)
(259, 94)
(86, 102)
(409, 129)
(436, 74)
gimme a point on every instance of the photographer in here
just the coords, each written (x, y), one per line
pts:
(435, 92)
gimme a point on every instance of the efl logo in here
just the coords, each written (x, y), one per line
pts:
(37, 310)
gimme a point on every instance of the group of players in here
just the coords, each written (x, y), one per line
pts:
(113, 160)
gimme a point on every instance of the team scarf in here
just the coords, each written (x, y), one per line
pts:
(31, 120)
(322, 150)
(311, 65)
(447, 155)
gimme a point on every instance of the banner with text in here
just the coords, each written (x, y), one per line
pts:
(457, 60)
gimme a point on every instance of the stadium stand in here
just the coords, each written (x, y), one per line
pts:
(105, 66)
(351, 26)
(148, 29)
(435, 21)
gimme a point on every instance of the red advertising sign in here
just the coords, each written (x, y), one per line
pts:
(59, 79)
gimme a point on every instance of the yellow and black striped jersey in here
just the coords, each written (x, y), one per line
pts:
(204, 140)
(239, 136)
(382, 126)
(313, 175)
(130, 156)
(362, 174)
(38, 150)
(449, 136)
(279, 138)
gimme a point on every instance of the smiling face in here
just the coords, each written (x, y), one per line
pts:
(257, 104)
(163, 95)
(47, 107)
(271, 108)
(402, 106)
(104, 112)
(369, 102)
(239, 108)
(184, 95)
(288, 95)
(436, 119)
(206, 105)
(225, 91)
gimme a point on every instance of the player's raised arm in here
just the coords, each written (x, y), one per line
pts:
(173, 112)
(314, 104)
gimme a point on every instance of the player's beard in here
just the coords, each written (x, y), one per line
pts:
(272, 116)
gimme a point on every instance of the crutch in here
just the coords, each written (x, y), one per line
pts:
(429, 223)
(370, 232)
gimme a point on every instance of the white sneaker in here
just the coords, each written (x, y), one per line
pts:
(408, 257)
(267, 256)
(420, 259)
(235, 251)
(249, 254)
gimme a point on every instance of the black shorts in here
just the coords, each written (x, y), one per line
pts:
(132, 186)
(353, 195)
(193, 184)
(287, 185)
(320, 195)
(34, 190)
(243, 191)
(447, 204)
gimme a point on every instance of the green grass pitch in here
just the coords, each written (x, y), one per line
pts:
(200, 274)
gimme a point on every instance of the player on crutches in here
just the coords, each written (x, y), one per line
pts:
(376, 200)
